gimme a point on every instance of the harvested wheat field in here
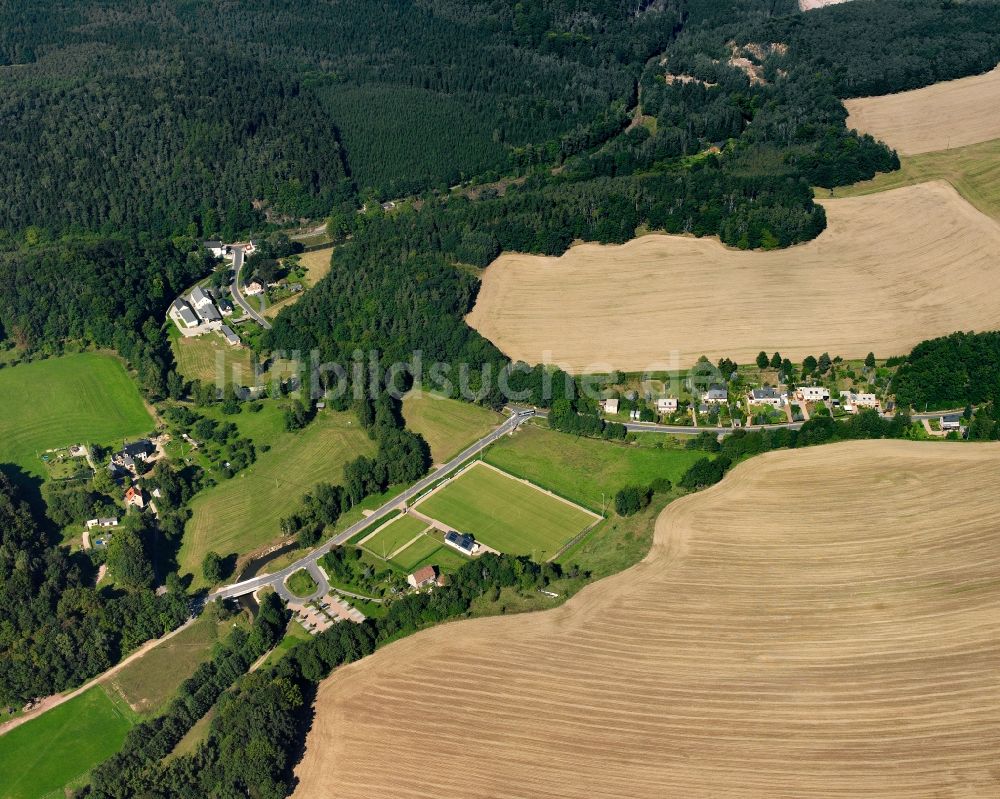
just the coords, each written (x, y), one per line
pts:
(845, 643)
(889, 271)
(953, 113)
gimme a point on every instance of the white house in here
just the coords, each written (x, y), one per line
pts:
(812, 393)
(253, 288)
(951, 421)
(766, 396)
(716, 393)
(463, 542)
(855, 402)
(610, 405)
(421, 577)
(217, 248)
(205, 306)
(110, 521)
(666, 405)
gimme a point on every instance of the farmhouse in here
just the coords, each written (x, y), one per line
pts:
(716, 393)
(421, 577)
(609, 405)
(231, 338)
(766, 396)
(813, 393)
(666, 405)
(182, 314)
(134, 498)
(463, 542)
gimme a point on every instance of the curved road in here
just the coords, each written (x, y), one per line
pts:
(238, 296)
(518, 415)
(277, 578)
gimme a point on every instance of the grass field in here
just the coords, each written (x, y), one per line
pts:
(428, 550)
(198, 359)
(301, 583)
(243, 513)
(149, 682)
(974, 171)
(399, 532)
(582, 469)
(317, 264)
(87, 397)
(505, 514)
(953, 113)
(912, 263)
(47, 753)
(842, 647)
(447, 425)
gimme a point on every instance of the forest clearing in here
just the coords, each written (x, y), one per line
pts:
(840, 646)
(914, 262)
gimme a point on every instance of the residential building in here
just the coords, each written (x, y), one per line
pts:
(766, 396)
(225, 306)
(716, 393)
(855, 402)
(812, 393)
(666, 405)
(182, 314)
(610, 405)
(231, 338)
(951, 421)
(143, 449)
(204, 305)
(217, 248)
(463, 542)
(134, 498)
(107, 521)
(421, 577)
(253, 288)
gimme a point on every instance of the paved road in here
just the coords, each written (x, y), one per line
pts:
(238, 296)
(277, 578)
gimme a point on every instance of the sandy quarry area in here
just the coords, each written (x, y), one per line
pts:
(891, 270)
(954, 113)
(842, 644)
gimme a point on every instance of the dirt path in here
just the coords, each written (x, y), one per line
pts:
(50, 702)
(842, 643)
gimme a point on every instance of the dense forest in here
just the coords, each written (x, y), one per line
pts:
(56, 629)
(112, 292)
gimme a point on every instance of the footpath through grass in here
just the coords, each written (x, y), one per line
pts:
(86, 397)
(43, 755)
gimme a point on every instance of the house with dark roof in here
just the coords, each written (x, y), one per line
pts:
(463, 542)
(766, 396)
(182, 314)
(716, 393)
(231, 338)
(217, 248)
